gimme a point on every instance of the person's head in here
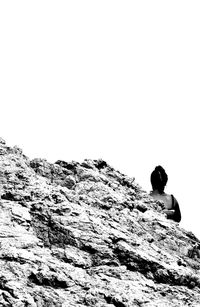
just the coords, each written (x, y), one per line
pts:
(159, 179)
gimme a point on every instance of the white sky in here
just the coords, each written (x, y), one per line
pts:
(117, 80)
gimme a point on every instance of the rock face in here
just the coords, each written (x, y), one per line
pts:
(83, 234)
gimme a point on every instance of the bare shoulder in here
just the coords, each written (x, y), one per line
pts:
(168, 200)
(175, 200)
(168, 196)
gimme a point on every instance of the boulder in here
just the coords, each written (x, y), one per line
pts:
(84, 234)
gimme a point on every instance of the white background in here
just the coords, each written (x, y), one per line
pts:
(117, 80)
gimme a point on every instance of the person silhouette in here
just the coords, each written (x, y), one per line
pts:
(159, 180)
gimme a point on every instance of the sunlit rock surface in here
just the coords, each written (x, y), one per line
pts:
(83, 234)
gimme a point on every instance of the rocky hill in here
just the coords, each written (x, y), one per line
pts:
(83, 234)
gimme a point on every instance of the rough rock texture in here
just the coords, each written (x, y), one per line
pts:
(83, 234)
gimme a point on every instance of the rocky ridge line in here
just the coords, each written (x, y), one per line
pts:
(83, 234)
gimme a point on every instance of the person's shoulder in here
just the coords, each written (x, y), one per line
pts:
(174, 201)
(172, 195)
(168, 196)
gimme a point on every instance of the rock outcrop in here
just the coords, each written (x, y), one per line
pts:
(83, 234)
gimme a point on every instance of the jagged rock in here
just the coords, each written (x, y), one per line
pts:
(83, 234)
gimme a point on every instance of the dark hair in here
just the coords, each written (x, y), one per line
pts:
(159, 179)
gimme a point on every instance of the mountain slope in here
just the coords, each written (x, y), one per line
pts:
(83, 234)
